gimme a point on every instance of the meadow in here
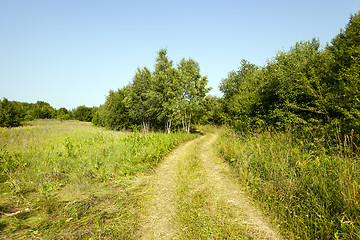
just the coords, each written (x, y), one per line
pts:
(312, 192)
(69, 179)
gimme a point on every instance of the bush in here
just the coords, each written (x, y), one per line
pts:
(83, 113)
(29, 118)
(9, 114)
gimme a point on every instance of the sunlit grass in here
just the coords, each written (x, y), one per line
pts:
(78, 181)
(200, 215)
(313, 194)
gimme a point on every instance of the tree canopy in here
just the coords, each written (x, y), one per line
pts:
(169, 98)
(307, 87)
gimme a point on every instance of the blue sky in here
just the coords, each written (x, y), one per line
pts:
(72, 52)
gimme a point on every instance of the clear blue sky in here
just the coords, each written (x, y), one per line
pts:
(72, 52)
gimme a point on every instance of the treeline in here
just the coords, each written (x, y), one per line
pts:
(314, 89)
(169, 98)
(311, 88)
(14, 113)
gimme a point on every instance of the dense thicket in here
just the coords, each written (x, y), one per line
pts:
(169, 98)
(308, 87)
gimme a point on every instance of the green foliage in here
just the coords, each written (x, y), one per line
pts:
(13, 114)
(167, 99)
(41, 110)
(291, 94)
(344, 83)
(9, 114)
(165, 80)
(192, 92)
(211, 111)
(241, 90)
(141, 98)
(315, 90)
(114, 114)
(314, 195)
(288, 91)
(63, 114)
(82, 113)
(28, 118)
(236, 80)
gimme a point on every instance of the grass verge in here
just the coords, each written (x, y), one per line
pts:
(313, 194)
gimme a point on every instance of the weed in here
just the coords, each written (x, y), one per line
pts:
(314, 194)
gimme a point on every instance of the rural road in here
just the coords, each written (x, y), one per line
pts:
(194, 196)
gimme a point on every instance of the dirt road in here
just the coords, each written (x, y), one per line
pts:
(194, 196)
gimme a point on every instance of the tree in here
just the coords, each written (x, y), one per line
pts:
(166, 98)
(212, 111)
(42, 110)
(99, 116)
(345, 82)
(165, 82)
(83, 113)
(241, 90)
(63, 114)
(141, 95)
(191, 91)
(115, 112)
(9, 114)
(232, 85)
(292, 92)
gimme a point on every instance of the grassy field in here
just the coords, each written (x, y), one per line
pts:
(70, 180)
(312, 193)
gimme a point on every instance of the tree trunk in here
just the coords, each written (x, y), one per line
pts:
(146, 125)
(185, 123)
(168, 127)
(188, 124)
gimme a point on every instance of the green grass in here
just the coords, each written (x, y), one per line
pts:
(192, 204)
(78, 181)
(311, 193)
(200, 215)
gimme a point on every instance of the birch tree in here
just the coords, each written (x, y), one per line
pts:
(140, 95)
(192, 90)
(165, 89)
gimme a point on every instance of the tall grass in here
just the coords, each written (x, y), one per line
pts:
(72, 180)
(313, 194)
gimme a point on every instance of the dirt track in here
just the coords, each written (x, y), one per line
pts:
(225, 211)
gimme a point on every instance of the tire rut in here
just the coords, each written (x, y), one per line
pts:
(226, 190)
(161, 220)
